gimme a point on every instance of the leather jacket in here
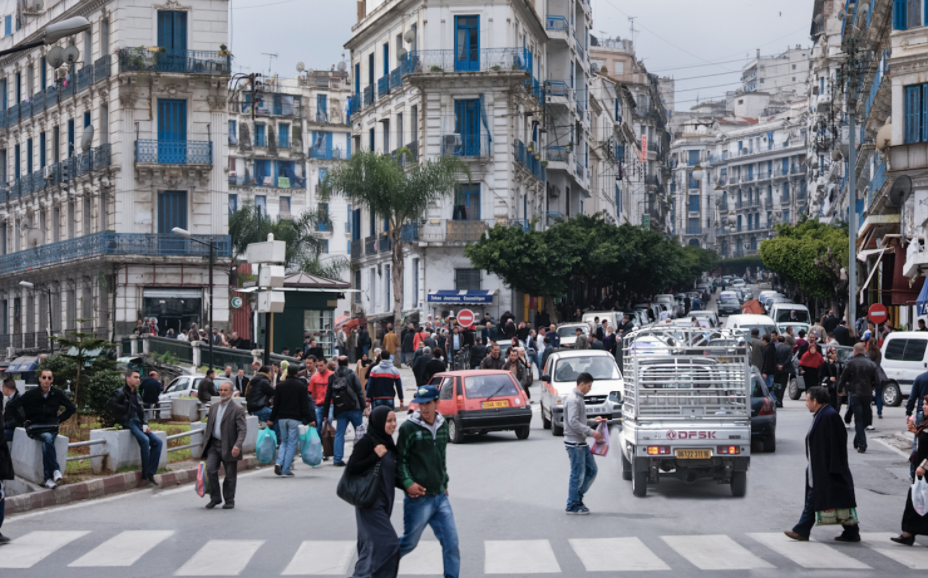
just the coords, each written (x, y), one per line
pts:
(860, 377)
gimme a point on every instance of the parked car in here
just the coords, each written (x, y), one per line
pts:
(763, 295)
(783, 312)
(568, 333)
(773, 300)
(560, 378)
(905, 356)
(763, 415)
(712, 316)
(746, 323)
(187, 386)
(481, 401)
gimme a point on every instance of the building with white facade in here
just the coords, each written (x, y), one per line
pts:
(91, 225)
(783, 73)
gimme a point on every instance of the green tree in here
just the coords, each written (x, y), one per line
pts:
(249, 225)
(395, 193)
(810, 254)
(82, 357)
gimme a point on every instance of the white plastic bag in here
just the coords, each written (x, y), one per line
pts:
(920, 496)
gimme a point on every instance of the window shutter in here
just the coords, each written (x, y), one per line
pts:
(912, 112)
(923, 132)
(913, 14)
(899, 14)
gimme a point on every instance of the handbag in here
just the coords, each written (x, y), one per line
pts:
(842, 516)
(360, 490)
(34, 430)
(328, 440)
(202, 485)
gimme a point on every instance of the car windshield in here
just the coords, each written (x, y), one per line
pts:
(483, 386)
(572, 330)
(801, 316)
(762, 329)
(729, 300)
(600, 367)
(179, 384)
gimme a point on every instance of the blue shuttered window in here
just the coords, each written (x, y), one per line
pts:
(16, 161)
(7, 25)
(467, 43)
(467, 124)
(233, 204)
(618, 200)
(172, 131)
(43, 74)
(29, 156)
(172, 211)
(322, 105)
(467, 202)
(914, 113)
(70, 137)
(692, 158)
(172, 31)
(694, 203)
(284, 136)
(42, 150)
(260, 136)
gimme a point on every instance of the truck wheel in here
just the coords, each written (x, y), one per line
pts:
(454, 431)
(522, 432)
(770, 444)
(739, 484)
(626, 469)
(545, 422)
(757, 445)
(556, 430)
(793, 389)
(892, 396)
(640, 483)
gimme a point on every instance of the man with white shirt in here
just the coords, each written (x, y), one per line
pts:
(225, 431)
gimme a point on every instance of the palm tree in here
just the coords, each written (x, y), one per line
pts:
(395, 193)
(249, 225)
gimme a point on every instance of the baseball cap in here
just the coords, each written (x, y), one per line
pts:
(426, 393)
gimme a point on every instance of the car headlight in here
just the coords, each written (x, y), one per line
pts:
(615, 396)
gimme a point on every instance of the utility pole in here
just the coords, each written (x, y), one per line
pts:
(853, 65)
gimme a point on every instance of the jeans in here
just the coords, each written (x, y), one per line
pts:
(49, 456)
(149, 448)
(289, 442)
(769, 380)
(379, 402)
(407, 357)
(582, 473)
(537, 360)
(879, 399)
(365, 349)
(434, 511)
(8, 435)
(319, 410)
(355, 416)
(807, 520)
(919, 418)
(860, 410)
(264, 415)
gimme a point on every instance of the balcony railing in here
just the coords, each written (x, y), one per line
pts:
(410, 232)
(796, 170)
(876, 183)
(478, 60)
(452, 231)
(579, 170)
(105, 243)
(469, 145)
(102, 68)
(580, 50)
(369, 95)
(383, 85)
(558, 155)
(357, 249)
(326, 153)
(385, 243)
(169, 152)
(85, 77)
(556, 23)
(179, 61)
(881, 72)
(62, 172)
(780, 171)
(748, 177)
(735, 179)
(557, 88)
(763, 174)
(396, 79)
(528, 160)
(370, 246)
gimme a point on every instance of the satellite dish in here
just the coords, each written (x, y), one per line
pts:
(842, 14)
(901, 187)
(71, 54)
(55, 57)
(819, 18)
(410, 36)
(400, 53)
(34, 238)
(300, 67)
(343, 66)
(87, 137)
(594, 68)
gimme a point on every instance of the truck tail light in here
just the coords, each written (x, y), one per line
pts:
(658, 450)
(767, 408)
(729, 450)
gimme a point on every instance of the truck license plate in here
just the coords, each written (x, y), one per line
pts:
(694, 454)
(595, 410)
(495, 404)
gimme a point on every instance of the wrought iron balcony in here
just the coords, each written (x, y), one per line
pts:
(476, 60)
(177, 61)
(470, 145)
(369, 95)
(102, 68)
(410, 232)
(383, 85)
(85, 77)
(396, 79)
(62, 172)
(170, 152)
(556, 23)
(370, 246)
(527, 159)
(454, 231)
(385, 243)
(558, 155)
(356, 249)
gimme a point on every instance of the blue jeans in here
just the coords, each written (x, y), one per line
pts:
(769, 381)
(807, 519)
(289, 442)
(860, 421)
(149, 448)
(879, 399)
(319, 409)
(264, 415)
(8, 435)
(355, 416)
(49, 457)
(365, 349)
(434, 511)
(379, 402)
(582, 473)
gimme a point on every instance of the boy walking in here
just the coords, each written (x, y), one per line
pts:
(576, 429)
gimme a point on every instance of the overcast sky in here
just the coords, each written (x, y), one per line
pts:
(674, 37)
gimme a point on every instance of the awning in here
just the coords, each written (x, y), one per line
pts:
(23, 364)
(921, 305)
(872, 271)
(475, 296)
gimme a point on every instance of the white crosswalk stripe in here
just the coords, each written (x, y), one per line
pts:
(715, 553)
(124, 549)
(32, 548)
(316, 558)
(425, 560)
(616, 555)
(519, 557)
(221, 558)
(915, 557)
(809, 554)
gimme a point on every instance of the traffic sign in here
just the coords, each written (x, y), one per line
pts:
(466, 317)
(646, 221)
(877, 313)
(236, 302)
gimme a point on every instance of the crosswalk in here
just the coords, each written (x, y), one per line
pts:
(55, 551)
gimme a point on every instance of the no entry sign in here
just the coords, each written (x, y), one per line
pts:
(877, 313)
(466, 317)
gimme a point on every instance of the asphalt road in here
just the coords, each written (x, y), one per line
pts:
(509, 498)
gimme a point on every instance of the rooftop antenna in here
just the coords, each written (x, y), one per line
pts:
(631, 20)
(271, 56)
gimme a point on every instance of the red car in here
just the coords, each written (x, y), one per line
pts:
(481, 401)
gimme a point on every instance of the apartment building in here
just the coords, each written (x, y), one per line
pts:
(784, 73)
(102, 159)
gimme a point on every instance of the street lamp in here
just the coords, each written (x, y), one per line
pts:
(186, 235)
(48, 324)
(698, 173)
(53, 33)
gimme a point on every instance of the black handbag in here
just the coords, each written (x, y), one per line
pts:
(34, 430)
(360, 490)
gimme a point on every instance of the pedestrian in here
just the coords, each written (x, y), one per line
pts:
(582, 342)
(341, 341)
(435, 365)
(418, 340)
(418, 366)
(789, 339)
(829, 485)
(757, 350)
(409, 344)
(127, 411)
(364, 341)
(6, 460)
(346, 397)
(576, 429)
(384, 383)
(810, 365)
(37, 410)
(378, 544)
(769, 367)
(784, 368)
(874, 354)
(391, 344)
(828, 378)
(919, 390)
(921, 325)
(227, 373)
(241, 382)
(318, 387)
(422, 471)
(151, 389)
(914, 523)
(206, 389)
(515, 366)
(292, 408)
(225, 430)
(842, 334)
(859, 380)
(494, 360)
(8, 418)
(362, 367)
(486, 334)
(258, 396)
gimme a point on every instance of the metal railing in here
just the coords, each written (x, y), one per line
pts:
(557, 88)
(882, 72)
(454, 231)
(527, 159)
(396, 79)
(385, 244)
(102, 68)
(557, 23)
(84, 445)
(876, 183)
(357, 249)
(174, 152)
(410, 232)
(369, 95)
(370, 246)
(472, 145)
(383, 86)
(62, 172)
(85, 77)
(558, 154)
(476, 60)
(185, 434)
(178, 61)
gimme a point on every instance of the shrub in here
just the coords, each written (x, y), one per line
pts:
(98, 392)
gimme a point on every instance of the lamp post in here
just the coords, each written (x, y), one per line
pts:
(186, 235)
(48, 324)
(53, 33)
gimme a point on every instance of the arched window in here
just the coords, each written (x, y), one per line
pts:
(694, 242)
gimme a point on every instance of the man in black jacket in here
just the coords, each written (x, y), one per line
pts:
(37, 408)
(435, 365)
(258, 396)
(241, 382)
(7, 418)
(769, 368)
(347, 396)
(206, 389)
(831, 322)
(6, 461)
(127, 412)
(151, 389)
(842, 335)
(859, 380)
(784, 368)
(418, 365)
(291, 409)
(408, 340)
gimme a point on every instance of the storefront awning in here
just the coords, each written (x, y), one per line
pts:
(921, 305)
(462, 297)
(23, 364)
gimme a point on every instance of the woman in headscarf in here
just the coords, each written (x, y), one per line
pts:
(378, 544)
(362, 367)
(809, 365)
(828, 375)
(912, 522)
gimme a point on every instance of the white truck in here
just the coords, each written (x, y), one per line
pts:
(686, 410)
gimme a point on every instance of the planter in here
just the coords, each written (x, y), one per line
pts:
(185, 409)
(154, 49)
(121, 450)
(497, 67)
(544, 163)
(166, 411)
(26, 455)
(436, 68)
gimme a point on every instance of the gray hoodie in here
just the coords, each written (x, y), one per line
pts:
(576, 425)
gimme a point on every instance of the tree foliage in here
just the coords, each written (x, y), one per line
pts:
(809, 254)
(249, 225)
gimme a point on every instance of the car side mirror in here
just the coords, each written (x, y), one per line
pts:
(546, 378)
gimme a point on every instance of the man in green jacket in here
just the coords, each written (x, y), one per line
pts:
(422, 472)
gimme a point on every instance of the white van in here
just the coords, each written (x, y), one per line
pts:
(780, 313)
(613, 317)
(747, 322)
(905, 356)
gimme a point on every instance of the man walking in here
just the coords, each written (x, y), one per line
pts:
(258, 396)
(391, 344)
(784, 368)
(829, 485)
(757, 350)
(384, 383)
(494, 360)
(769, 367)
(418, 366)
(435, 365)
(859, 380)
(347, 397)
(151, 389)
(128, 412)
(576, 429)
(291, 409)
(241, 382)
(318, 387)
(582, 341)
(7, 419)
(225, 430)
(206, 389)
(422, 471)
(409, 344)
(37, 410)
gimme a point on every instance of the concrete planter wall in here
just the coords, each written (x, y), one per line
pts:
(121, 450)
(248, 447)
(185, 409)
(27, 456)
(166, 411)
(197, 451)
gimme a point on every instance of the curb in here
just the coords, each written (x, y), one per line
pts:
(102, 487)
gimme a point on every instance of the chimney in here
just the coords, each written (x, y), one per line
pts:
(362, 9)
(758, 53)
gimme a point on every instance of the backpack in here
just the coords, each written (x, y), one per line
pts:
(342, 395)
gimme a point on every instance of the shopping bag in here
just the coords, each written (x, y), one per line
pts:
(202, 480)
(920, 496)
(601, 448)
(843, 517)
(311, 447)
(266, 449)
(361, 430)
(328, 440)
